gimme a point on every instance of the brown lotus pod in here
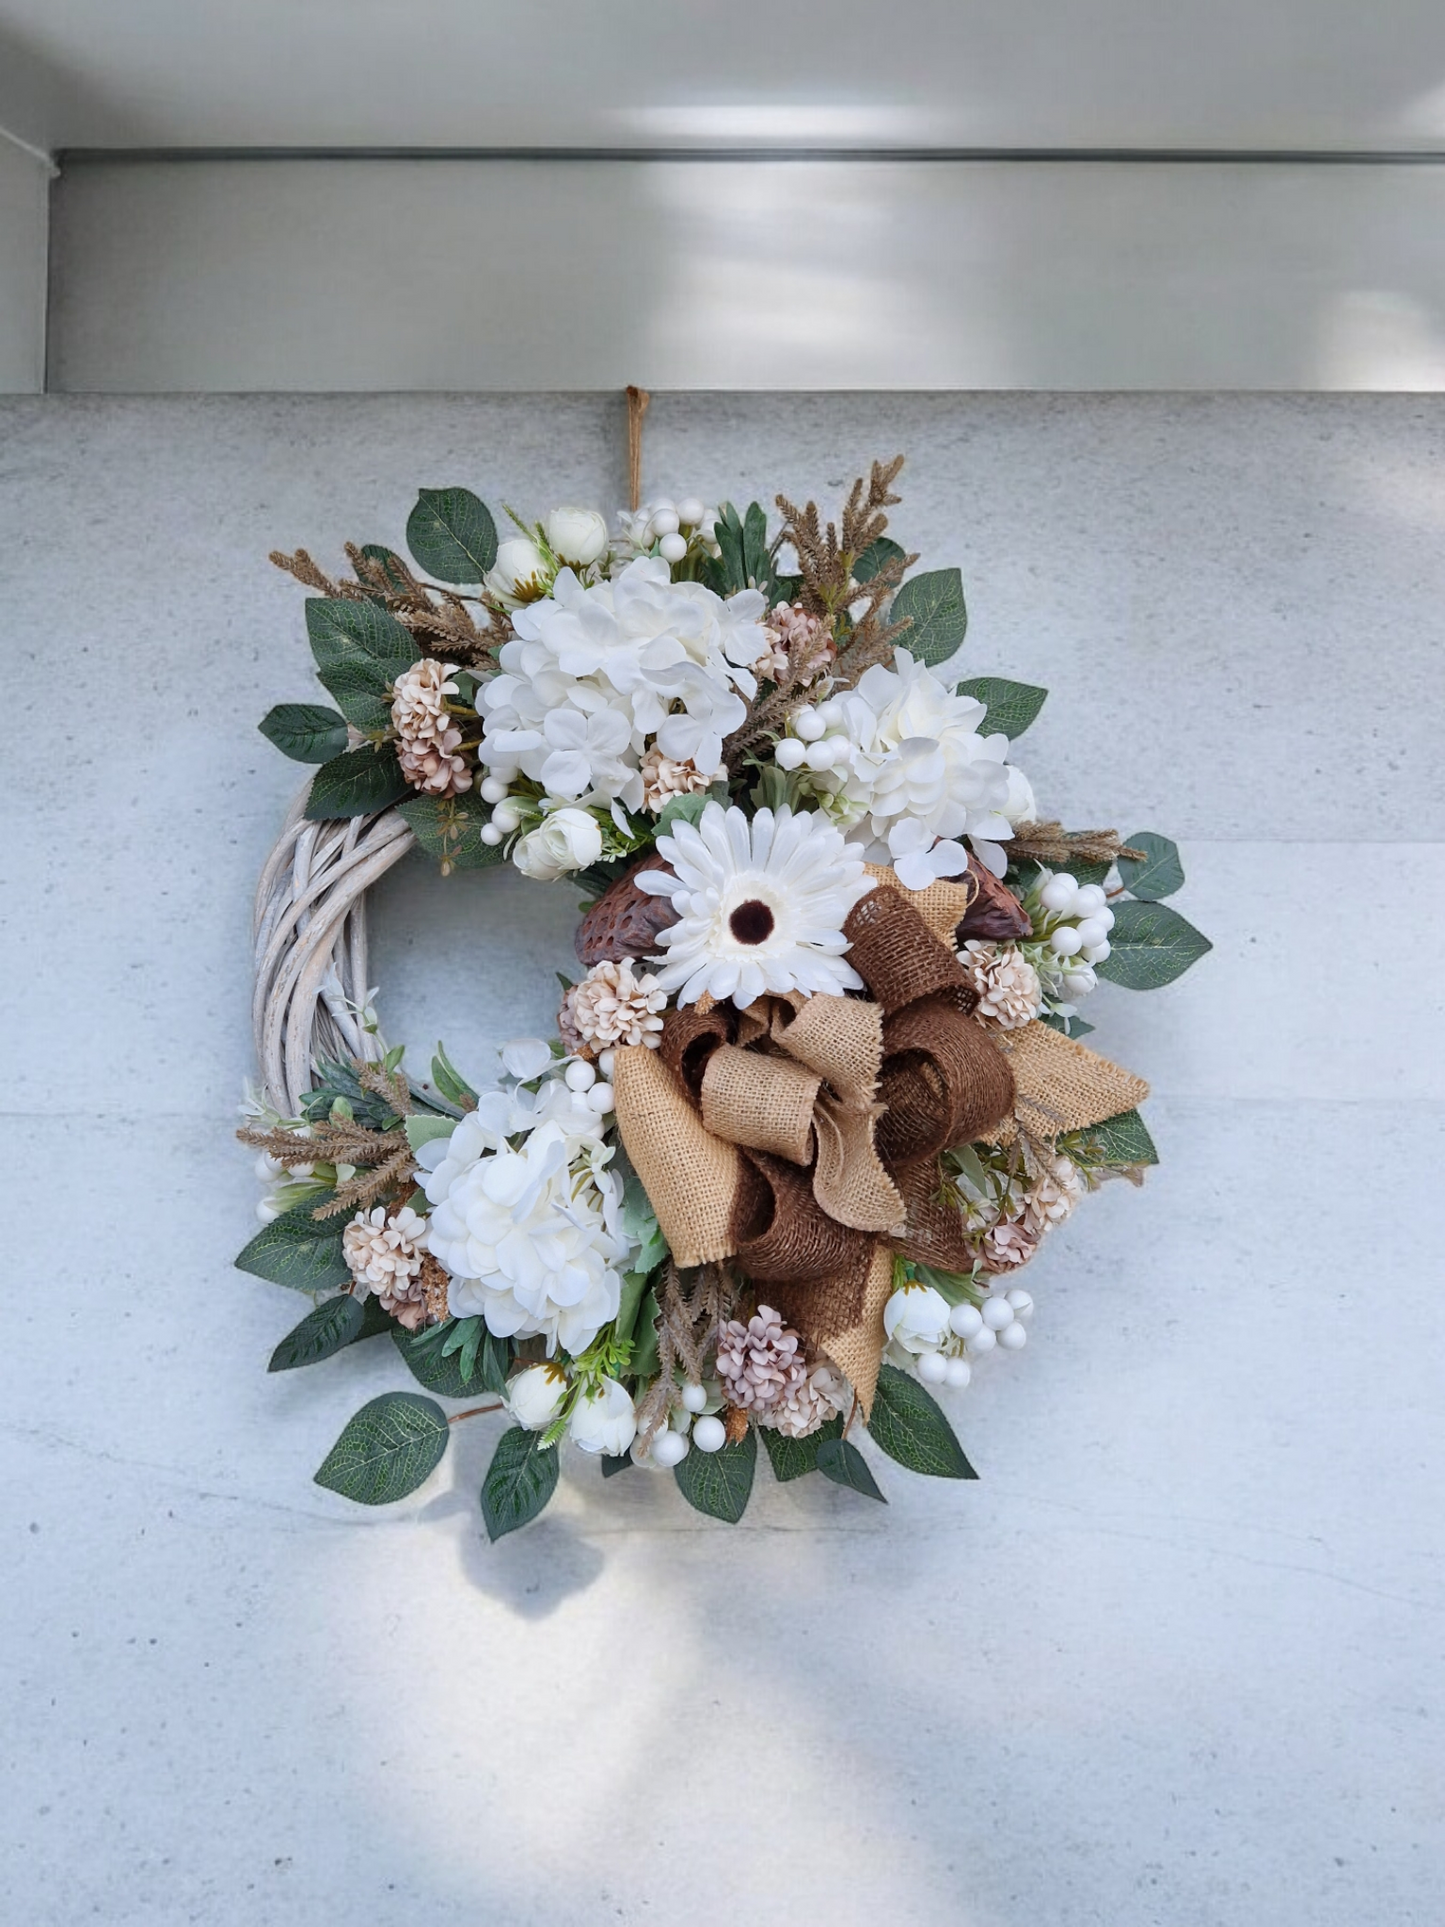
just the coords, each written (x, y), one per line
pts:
(995, 915)
(625, 921)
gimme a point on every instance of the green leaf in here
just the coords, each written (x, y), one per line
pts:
(1122, 1140)
(430, 1366)
(450, 1082)
(645, 1353)
(360, 650)
(306, 732)
(449, 828)
(634, 1286)
(391, 563)
(1067, 1026)
(876, 556)
(321, 1332)
(452, 535)
(298, 1250)
(793, 1458)
(357, 784)
(842, 1462)
(1011, 706)
(421, 1128)
(719, 1483)
(611, 1466)
(386, 1449)
(744, 561)
(910, 1427)
(952, 1286)
(933, 604)
(682, 809)
(1149, 946)
(1159, 875)
(520, 1480)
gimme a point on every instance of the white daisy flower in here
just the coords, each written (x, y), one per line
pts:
(761, 906)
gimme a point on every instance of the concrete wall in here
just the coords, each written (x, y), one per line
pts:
(1172, 1662)
(24, 219)
(367, 275)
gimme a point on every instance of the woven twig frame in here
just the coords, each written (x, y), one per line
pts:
(310, 946)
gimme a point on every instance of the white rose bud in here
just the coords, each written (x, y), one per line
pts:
(1019, 805)
(578, 536)
(916, 1316)
(519, 573)
(566, 840)
(534, 1396)
(604, 1420)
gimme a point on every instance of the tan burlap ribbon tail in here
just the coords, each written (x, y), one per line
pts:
(1062, 1085)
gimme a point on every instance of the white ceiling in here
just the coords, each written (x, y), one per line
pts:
(424, 73)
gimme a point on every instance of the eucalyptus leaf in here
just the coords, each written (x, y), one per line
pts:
(1160, 874)
(387, 1449)
(306, 732)
(421, 1128)
(449, 828)
(359, 783)
(520, 1480)
(359, 633)
(794, 1458)
(933, 604)
(1123, 1140)
(451, 535)
(719, 1483)
(1011, 706)
(1150, 945)
(325, 1330)
(298, 1250)
(910, 1427)
(842, 1462)
(875, 557)
(450, 1082)
(682, 809)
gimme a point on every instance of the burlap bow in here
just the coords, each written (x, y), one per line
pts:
(800, 1138)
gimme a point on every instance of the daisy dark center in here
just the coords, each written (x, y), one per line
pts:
(751, 922)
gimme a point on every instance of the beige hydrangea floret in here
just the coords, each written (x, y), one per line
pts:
(427, 737)
(663, 779)
(388, 1256)
(613, 1005)
(1007, 985)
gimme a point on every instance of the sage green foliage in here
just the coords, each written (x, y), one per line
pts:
(1149, 946)
(876, 556)
(360, 650)
(450, 1082)
(842, 1462)
(1123, 1140)
(910, 1427)
(337, 1080)
(456, 1359)
(358, 783)
(306, 732)
(1067, 1026)
(932, 603)
(687, 809)
(745, 561)
(449, 828)
(794, 1458)
(299, 1251)
(1011, 706)
(520, 1480)
(321, 1332)
(421, 1127)
(386, 1449)
(1159, 875)
(451, 535)
(720, 1483)
(645, 1345)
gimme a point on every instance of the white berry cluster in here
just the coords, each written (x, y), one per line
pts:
(1072, 921)
(691, 1422)
(664, 528)
(940, 1341)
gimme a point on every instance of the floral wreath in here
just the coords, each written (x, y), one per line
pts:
(817, 1096)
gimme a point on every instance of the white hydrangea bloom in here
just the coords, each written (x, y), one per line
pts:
(596, 675)
(914, 751)
(531, 1237)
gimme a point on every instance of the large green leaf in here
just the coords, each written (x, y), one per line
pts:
(793, 1458)
(458, 1359)
(1159, 875)
(357, 784)
(386, 1449)
(1150, 945)
(933, 603)
(842, 1462)
(449, 828)
(306, 732)
(719, 1483)
(360, 632)
(298, 1250)
(1122, 1140)
(910, 1427)
(743, 561)
(321, 1332)
(876, 556)
(451, 535)
(520, 1480)
(1011, 706)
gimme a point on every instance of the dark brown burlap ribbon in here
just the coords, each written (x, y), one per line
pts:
(800, 1138)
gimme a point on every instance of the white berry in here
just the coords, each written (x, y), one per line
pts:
(964, 1320)
(690, 512)
(807, 724)
(664, 521)
(1092, 930)
(605, 1062)
(694, 1398)
(493, 789)
(821, 754)
(672, 548)
(789, 753)
(1089, 899)
(957, 1374)
(579, 1075)
(1096, 952)
(491, 835)
(981, 1341)
(709, 1435)
(669, 1448)
(1079, 983)
(997, 1312)
(1059, 894)
(1103, 915)
(1021, 1300)
(507, 815)
(1013, 1337)
(600, 1098)
(933, 1368)
(1065, 941)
